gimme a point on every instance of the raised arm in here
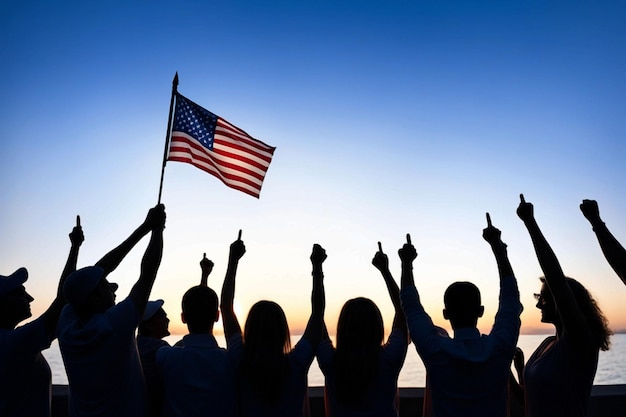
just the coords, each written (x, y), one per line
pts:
(111, 260)
(315, 327)
(381, 262)
(492, 236)
(426, 336)
(407, 255)
(51, 316)
(155, 221)
(206, 265)
(229, 319)
(507, 323)
(613, 251)
(573, 321)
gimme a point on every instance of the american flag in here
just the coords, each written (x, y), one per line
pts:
(212, 144)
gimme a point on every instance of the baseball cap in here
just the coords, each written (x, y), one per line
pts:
(11, 282)
(81, 283)
(151, 308)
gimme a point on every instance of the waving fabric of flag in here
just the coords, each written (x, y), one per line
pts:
(212, 144)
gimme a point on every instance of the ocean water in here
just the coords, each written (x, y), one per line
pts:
(611, 364)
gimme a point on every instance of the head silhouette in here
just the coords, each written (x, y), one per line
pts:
(360, 333)
(14, 307)
(266, 345)
(462, 305)
(360, 322)
(155, 326)
(14, 300)
(89, 292)
(587, 304)
(200, 309)
(266, 328)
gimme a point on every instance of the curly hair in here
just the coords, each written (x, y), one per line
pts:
(590, 309)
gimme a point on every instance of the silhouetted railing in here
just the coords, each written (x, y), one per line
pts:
(606, 401)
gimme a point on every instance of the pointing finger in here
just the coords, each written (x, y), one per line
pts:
(380, 247)
(521, 197)
(408, 238)
(488, 220)
(77, 220)
(239, 236)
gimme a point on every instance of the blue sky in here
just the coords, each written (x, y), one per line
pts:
(388, 118)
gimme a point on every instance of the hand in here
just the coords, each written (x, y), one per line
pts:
(407, 253)
(237, 248)
(206, 265)
(380, 261)
(525, 210)
(76, 235)
(591, 211)
(155, 220)
(492, 234)
(318, 255)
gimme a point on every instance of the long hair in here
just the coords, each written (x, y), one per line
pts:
(359, 339)
(590, 309)
(266, 346)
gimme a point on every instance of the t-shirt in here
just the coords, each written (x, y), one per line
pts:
(291, 401)
(558, 383)
(102, 362)
(381, 397)
(148, 347)
(198, 378)
(24, 373)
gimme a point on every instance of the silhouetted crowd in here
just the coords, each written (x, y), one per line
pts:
(118, 364)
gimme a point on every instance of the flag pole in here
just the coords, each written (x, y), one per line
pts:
(167, 134)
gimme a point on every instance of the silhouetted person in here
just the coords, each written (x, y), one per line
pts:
(198, 375)
(613, 251)
(97, 336)
(24, 373)
(469, 373)
(206, 266)
(361, 373)
(559, 375)
(152, 329)
(271, 377)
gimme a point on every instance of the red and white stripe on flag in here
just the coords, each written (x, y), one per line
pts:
(237, 159)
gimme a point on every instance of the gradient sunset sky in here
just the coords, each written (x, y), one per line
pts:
(389, 118)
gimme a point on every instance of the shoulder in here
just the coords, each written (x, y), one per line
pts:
(67, 316)
(398, 340)
(126, 306)
(302, 351)
(29, 337)
(325, 350)
(581, 351)
(123, 315)
(304, 344)
(164, 352)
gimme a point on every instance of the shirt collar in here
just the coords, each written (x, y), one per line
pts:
(200, 339)
(466, 333)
